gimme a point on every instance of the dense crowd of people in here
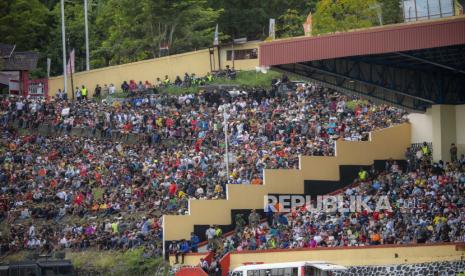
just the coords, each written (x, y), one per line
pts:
(134, 88)
(65, 191)
(427, 202)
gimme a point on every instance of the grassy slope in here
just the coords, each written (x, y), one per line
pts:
(131, 262)
(243, 78)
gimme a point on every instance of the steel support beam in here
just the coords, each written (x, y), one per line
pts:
(431, 62)
(366, 82)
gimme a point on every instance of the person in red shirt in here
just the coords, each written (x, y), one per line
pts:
(79, 199)
(172, 189)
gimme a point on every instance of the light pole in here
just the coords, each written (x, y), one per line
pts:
(87, 36)
(225, 118)
(63, 39)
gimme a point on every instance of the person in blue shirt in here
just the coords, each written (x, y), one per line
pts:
(183, 249)
(194, 242)
(282, 219)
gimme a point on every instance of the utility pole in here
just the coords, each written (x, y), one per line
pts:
(71, 71)
(87, 36)
(63, 39)
(225, 117)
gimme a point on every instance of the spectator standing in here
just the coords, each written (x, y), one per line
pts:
(254, 218)
(78, 94)
(184, 249)
(194, 242)
(84, 92)
(425, 149)
(166, 81)
(125, 87)
(453, 153)
(105, 90)
(210, 235)
(362, 174)
(111, 89)
(97, 91)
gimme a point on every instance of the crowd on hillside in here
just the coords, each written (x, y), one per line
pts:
(427, 201)
(134, 88)
(66, 191)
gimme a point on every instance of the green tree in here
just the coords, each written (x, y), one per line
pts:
(344, 15)
(24, 23)
(75, 37)
(391, 11)
(290, 24)
(249, 18)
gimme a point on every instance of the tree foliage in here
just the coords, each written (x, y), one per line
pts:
(290, 24)
(344, 15)
(24, 23)
(391, 11)
(122, 31)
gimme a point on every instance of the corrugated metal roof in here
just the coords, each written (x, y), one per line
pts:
(377, 40)
(6, 50)
(21, 61)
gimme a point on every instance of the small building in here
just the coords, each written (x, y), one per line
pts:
(416, 10)
(14, 72)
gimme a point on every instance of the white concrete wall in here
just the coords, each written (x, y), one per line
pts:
(442, 125)
(422, 127)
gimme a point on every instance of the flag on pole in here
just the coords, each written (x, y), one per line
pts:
(308, 25)
(215, 39)
(49, 63)
(70, 64)
(271, 28)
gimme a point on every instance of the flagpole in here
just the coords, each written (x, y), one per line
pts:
(216, 43)
(225, 118)
(72, 82)
(87, 36)
(63, 40)
(71, 71)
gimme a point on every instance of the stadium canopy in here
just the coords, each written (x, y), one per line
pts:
(413, 65)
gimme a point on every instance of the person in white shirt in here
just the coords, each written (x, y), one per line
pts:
(64, 242)
(111, 89)
(32, 231)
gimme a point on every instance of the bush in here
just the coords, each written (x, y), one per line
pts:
(131, 262)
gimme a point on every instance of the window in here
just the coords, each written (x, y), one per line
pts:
(289, 271)
(242, 54)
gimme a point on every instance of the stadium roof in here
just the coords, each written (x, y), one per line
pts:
(412, 65)
(377, 40)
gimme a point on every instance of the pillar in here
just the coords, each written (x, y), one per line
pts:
(460, 128)
(444, 131)
(24, 79)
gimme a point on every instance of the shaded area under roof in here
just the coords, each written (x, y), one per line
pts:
(412, 65)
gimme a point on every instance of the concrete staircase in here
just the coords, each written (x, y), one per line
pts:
(322, 174)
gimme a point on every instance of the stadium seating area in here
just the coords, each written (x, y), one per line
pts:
(65, 191)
